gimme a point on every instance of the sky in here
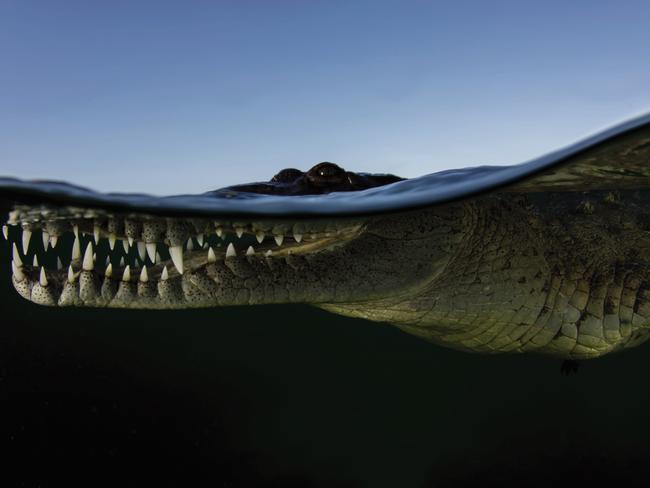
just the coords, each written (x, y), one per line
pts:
(184, 97)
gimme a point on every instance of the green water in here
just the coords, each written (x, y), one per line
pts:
(294, 396)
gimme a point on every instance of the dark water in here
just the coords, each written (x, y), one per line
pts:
(293, 396)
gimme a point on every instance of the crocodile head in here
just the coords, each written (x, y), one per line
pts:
(373, 246)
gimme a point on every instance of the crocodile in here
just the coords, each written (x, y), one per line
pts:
(549, 256)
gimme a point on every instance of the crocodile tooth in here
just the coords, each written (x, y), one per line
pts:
(53, 241)
(59, 264)
(96, 233)
(76, 251)
(212, 258)
(250, 251)
(94, 257)
(88, 263)
(278, 239)
(35, 261)
(259, 235)
(158, 258)
(46, 239)
(126, 276)
(5, 232)
(297, 237)
(268, 253)
(18, 273)
(190, 244)
(16, 256)
(144, 277)
(219, 231)
(230, 251)
(164, 275)
(71, 275)
(109, 270)
(75, 230)
(239, 231)
(27, 235)
(125, 245)
(111, 241)
(176, 253)
(142, 250)
(42, 279)
(122, 262)
(151, 251)
(13, 217)
(130, 239)
(199, 239)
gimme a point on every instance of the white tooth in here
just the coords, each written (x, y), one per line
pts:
(259, 235)
(75, 229)
(76, 251)
(122, 262)
(71, 276)
(190, 244)
(176, 253)
(16, 256)
(151, 251)
(164, 275)
(239, 231)
(59, 264)
(94, 257)
(219, 231)
(230, 251)
(130, 239)
(46, 239)
(111, 241)
(250, 251)
(142, 250)
(53, 241)
(278, 239)
(109, 270)
(268, 253)
(144, 277)
(126, 276)
(125, 245)
(18, 273)
(158, 259)
(13, 216)
(35, 261)
(88, 263)
(297, 237)
(5, 232)
(96, 234)
(27, 235)
(42, 278)
(212, 258)
(199, 239)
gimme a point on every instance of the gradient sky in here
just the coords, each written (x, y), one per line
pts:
(162, 97)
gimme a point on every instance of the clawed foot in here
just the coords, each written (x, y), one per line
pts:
(569, 366)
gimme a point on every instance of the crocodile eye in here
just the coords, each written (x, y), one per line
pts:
(324, 173)
(287, 175)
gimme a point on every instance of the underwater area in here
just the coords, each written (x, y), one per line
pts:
(291, 395)
(294, 396)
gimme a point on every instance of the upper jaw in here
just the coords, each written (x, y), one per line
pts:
(56, 248)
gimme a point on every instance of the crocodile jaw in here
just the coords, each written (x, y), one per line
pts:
(70, 256)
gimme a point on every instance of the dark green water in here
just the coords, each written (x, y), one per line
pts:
(294, 396)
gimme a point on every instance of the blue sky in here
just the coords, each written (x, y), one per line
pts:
(164, 97)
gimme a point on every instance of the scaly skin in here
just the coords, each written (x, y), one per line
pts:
(559, 273)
